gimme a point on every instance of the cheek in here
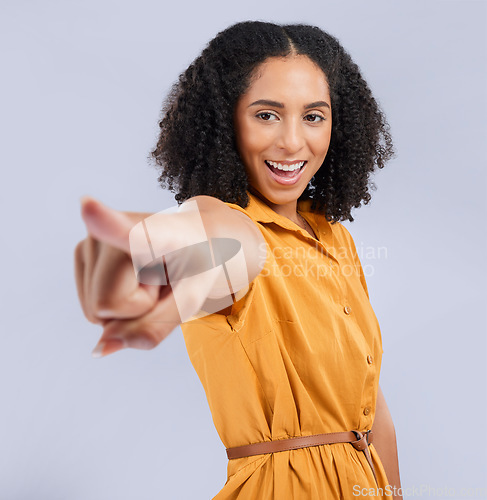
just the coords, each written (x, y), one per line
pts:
(321, 142)
(253, 141)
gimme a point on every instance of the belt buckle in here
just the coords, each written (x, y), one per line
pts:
(367, 434)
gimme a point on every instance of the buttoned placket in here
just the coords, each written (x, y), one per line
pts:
(365, 417)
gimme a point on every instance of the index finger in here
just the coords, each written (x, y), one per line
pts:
(108, 225)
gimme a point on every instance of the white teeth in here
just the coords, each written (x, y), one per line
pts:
(291, 167)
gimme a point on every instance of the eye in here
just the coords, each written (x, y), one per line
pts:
(266, 116)
(315, 116)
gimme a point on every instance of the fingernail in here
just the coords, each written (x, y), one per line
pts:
(106, 347)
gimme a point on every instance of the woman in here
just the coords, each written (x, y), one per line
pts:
(274, 133)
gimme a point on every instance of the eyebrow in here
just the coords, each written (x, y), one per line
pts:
(275, 104)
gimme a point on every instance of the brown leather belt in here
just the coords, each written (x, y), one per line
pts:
(359, 440)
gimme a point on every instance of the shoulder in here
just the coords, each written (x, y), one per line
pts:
(345, 238)
(343, 231)
(337, 229)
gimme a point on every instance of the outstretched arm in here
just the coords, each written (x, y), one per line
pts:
(199, 253)
(385, 442)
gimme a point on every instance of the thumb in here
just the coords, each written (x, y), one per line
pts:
(106, 224)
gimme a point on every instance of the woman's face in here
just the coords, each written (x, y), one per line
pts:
(284, 118)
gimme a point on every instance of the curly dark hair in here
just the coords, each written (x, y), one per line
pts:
(197, 149)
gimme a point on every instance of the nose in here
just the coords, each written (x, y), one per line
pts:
(291, 136)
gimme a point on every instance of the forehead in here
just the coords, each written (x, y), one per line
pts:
(296, 76)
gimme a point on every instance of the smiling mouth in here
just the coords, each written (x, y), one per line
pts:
(291, 170)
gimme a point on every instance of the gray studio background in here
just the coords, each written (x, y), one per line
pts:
(81, 89)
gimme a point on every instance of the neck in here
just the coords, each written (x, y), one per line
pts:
(288, 210)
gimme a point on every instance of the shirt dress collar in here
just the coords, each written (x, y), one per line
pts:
(261, 212)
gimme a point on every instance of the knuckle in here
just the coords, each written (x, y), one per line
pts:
(94, 319)
(103, 308)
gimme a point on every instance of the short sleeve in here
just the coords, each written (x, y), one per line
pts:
(242, 210)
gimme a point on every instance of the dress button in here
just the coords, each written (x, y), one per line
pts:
(370, 359)
(366, 410)
(347, 309)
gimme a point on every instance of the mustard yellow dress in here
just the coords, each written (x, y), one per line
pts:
(299, 354)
